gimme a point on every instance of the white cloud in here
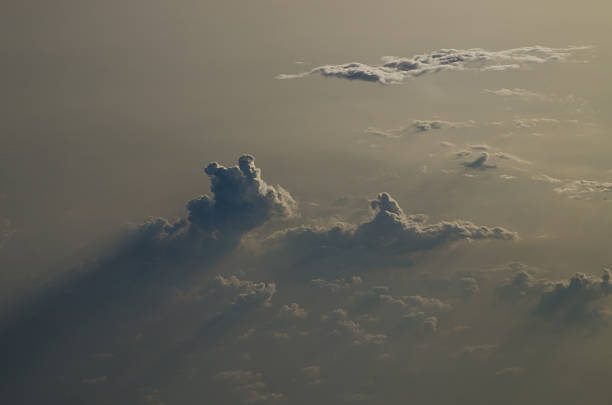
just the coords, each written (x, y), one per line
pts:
(397, 69)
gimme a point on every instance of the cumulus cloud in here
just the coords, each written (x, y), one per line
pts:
(528, 95)
(509, 371)
(533, 122)
(417, 303)
(480, 147)
(390, 231)
(522, 284)
(582, 189)
(337, 284)
(480, 162)
(351, 329)
(518, 93)
(242, 199)
(419, 323)
(397, 69)
(248, 385)
(570, 299)
(508, 156)
(574, 300)
(419, 126)
(242, 292)
(293, 311)
(312, 374)
(545, 177)
(428, 125)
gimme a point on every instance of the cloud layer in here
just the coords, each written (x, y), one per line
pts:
(397, 69)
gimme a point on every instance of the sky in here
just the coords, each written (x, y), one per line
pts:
(282, 202)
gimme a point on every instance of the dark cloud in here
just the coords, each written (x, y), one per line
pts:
(248, 386)
(390, 231)
(397, 69)
(480, 162)
(571, 299)
(584, 189)
(244, 293)
(143, 270)
(242, 199)
(576, 300)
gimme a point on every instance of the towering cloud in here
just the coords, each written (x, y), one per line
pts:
(389, 232)
(397, 69)
(242, 199)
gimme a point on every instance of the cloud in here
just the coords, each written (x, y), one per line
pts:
(244, 293)
(242, 199)
(545, 177)
(574, 300)
(582, 189)
(528, 95)
(570, 299)
(397, 69)
(479, 147)
(351, 329)
(480, 162)
(419, 323)
(417, 303)
(337, 284)
(389, 232)
(428, 125)
(508, 156)
(518, 93)
(509, 371)
(248, 386)
(533, 122)
(293, 311)
(312, 374)
(419, 126)
(522, 285)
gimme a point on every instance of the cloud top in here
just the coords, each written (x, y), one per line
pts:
(397, 69)
(242, 199)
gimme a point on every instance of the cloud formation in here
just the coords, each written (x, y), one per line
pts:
(391, 231)
(480, 162)
(582, 189)
(242, 292)
(242, 199)
(420, 127)
(397, 69)
(574, 300)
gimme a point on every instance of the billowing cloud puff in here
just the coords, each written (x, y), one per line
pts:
(397, 69)
(533, 122)
(352, 330)
(419, 126)
(516, 92)
(241, 292)
(571, 298)
(417, 303)
(337, 284)
(242, 199)
(390, 231)
(480, 162)
(579, 189)
(522, 284)
(545, 177)
(293, 311)
(428, 125)
(248, 385)
(419, 323)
